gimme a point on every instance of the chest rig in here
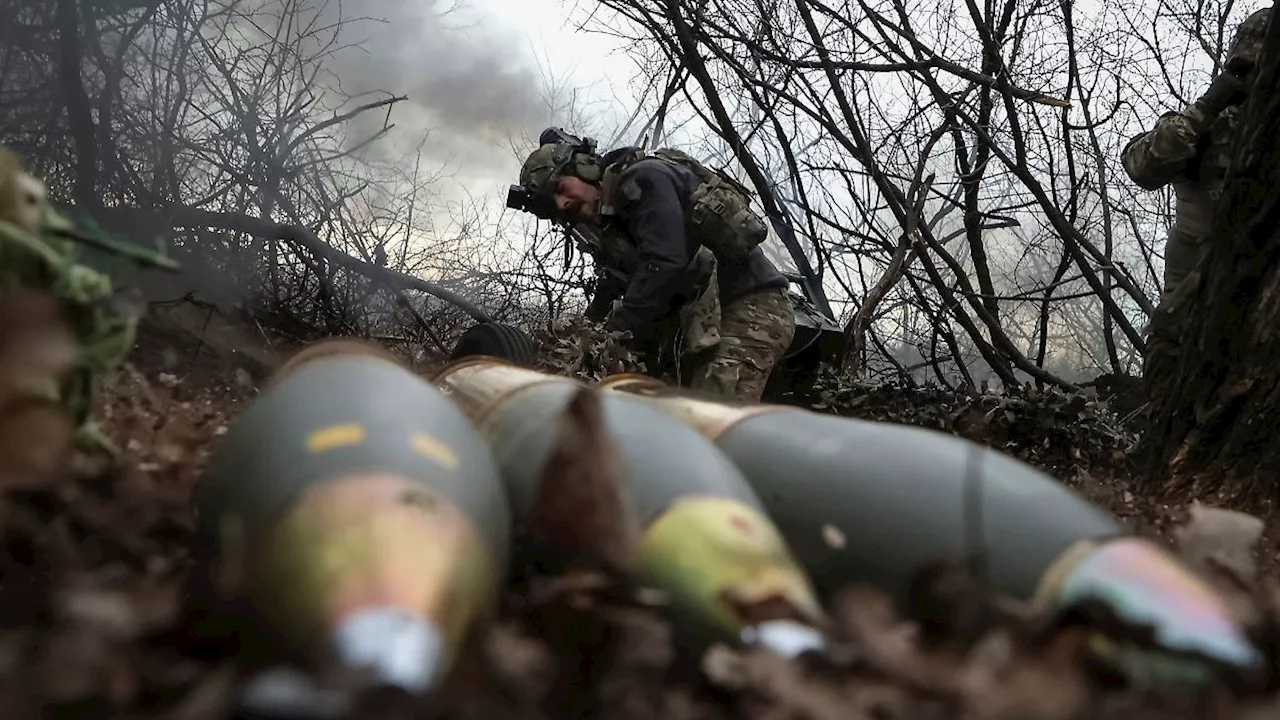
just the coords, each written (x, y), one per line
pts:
(718, 212)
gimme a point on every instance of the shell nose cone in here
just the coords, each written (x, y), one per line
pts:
(397, 647)
(785, 637)
(1147, 587)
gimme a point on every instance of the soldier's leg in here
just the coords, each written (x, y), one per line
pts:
(1183, 255)
(755, 331)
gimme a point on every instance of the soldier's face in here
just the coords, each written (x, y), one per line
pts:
(576, 200)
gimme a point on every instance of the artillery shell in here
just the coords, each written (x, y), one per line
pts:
(1146, 587)
(897, 496)
(704, 540)
(374, 522)
(870, 502)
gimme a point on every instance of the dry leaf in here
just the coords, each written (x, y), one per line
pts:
(868, 616)
(784, 684)
(1049, 685)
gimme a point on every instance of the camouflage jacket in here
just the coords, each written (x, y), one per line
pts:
(1191, 151)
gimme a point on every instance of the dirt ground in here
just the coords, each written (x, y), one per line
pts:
(99, 620)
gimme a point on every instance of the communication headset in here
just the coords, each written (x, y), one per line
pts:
(572, 149)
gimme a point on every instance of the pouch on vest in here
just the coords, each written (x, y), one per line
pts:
(718, 214)
(720, 218)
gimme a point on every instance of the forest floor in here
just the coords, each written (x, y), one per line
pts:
(93, 622)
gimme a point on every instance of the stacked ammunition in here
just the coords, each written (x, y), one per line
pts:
(377, 509)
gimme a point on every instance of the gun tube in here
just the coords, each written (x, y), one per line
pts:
(705, 541)
(376, 523)
(862, 501)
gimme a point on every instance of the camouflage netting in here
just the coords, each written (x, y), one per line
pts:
(1053, 429)
(95, 568)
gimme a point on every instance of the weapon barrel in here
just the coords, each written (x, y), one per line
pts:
(704, 539)
(373, 525)
(869, 502)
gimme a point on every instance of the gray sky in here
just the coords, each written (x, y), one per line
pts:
(478, 74)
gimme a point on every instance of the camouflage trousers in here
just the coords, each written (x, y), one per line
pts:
(1185, 254)
(755, 331)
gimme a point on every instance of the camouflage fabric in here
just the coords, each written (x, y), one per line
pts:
(1247, 44)
(542, 170)
(695, 325)
(38, 251)
(539, 172)
(700, 318)
(1191, 150)
(755, 331)
(718, 212)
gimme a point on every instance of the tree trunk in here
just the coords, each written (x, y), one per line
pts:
(1215, 411)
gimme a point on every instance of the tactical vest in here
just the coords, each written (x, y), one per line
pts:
(718, 213)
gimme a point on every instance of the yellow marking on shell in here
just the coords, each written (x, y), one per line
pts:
(335, 436)
(434, 450)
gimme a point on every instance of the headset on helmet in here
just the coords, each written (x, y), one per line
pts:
(574, 153)
(570, 153)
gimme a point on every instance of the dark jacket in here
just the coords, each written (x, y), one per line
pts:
(649, 209)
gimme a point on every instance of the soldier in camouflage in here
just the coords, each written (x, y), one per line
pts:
(1191, 149)
(683, 270)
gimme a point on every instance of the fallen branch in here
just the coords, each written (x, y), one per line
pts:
(188, 217)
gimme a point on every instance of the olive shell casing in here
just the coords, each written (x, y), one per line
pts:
(344, 415)
(871, 502)
(715, 556)
(517, 411)
(1147, 587)
(706, 542)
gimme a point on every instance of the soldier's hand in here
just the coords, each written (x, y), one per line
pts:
(1226, 90)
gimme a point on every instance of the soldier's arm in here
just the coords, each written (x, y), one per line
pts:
(655, 223)
(1155, 158)
(609, 287)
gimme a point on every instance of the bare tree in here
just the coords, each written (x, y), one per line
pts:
(1025, 242)
(218, 124)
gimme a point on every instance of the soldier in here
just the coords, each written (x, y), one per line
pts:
(680, 247)
(1191, 149)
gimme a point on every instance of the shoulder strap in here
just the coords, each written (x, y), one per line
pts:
(609, 180)
(704, 173)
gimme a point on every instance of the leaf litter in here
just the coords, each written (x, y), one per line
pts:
(99, 616)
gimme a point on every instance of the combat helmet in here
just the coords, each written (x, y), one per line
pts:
(559, 153)
(1246, 47)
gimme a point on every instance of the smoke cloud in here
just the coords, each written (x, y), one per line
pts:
(473, 85)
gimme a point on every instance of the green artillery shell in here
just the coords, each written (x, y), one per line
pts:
(370, 515)
(704, 540)
(870, 502)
